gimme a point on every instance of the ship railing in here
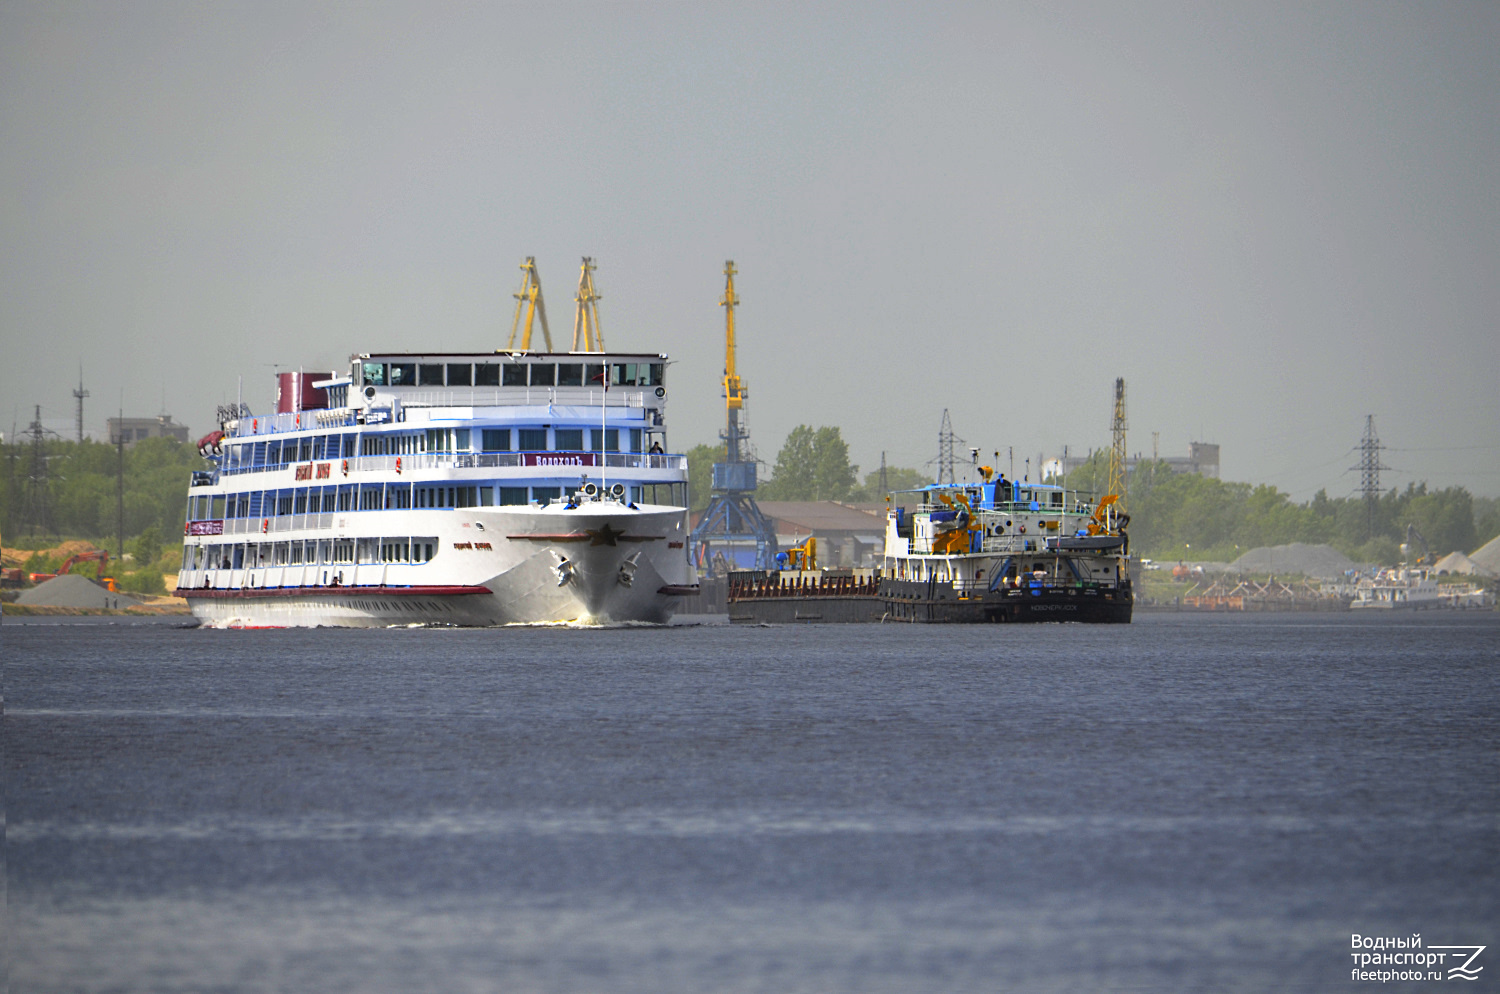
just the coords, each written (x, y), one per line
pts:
(474, 460)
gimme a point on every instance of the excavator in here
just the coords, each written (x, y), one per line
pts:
(1410, 545)
(98, 555)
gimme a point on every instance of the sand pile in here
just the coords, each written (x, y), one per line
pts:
(1487, 556)
(1321, 561)
(73, 591)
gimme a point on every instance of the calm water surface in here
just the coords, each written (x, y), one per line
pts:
(1181, 804)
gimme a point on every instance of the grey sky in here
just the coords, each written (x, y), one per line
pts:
(1271, 220)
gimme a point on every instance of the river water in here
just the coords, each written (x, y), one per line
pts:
(1185, 803)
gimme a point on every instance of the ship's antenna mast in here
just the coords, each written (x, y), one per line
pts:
(529, 300)
(1117, 480)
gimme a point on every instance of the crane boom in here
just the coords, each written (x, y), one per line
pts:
(529, 300)
(588, 333)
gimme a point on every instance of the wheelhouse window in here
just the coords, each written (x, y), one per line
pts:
(430, 374)
(543, 374)
(513, 375)
(373, 373)
(460, 374)
(486, 374)
(403, 374)
(570, 374)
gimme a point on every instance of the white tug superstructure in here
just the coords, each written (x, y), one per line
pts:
(464, 489)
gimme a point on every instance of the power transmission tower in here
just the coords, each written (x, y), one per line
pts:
(884, 487)
(80, 393)
(1369, 473)
(38, 508)
(1117, 481)
(946, 441)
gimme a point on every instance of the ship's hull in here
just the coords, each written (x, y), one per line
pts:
(906, 600)
(597, 562)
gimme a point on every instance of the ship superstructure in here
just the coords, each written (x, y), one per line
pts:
(467, 488)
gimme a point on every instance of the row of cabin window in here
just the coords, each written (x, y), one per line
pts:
(511, 374)
(397, 496)
(312, 552)
(257, 455)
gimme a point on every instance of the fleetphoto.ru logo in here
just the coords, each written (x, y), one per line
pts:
(1385, 959)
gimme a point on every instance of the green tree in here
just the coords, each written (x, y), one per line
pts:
(146, 547)
(813, 464)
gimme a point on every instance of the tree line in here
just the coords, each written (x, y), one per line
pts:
(1173, 515)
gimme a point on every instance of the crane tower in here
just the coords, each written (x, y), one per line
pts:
(733, 526)
(1117, 480)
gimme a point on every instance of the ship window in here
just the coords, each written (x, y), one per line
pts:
(510, 496)
(486, 496)
(570, 374)
(299, 502)
(430, 374)
(403, 374)
(496, 439)
(1057, 498)
(635, 440)
(545, 495)
(593, 373)
(531, 439)
(461, 439)
(514, 375)
(654, 378)
(568, 439)
(218, 508)
(543, 374)
(460, 374)
(611, 439)
(304, 449)
(349, 439)
(486, 374)
(374, 373)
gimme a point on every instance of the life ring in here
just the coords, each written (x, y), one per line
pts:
(398, 464)
(1022, 529)
(346, 467)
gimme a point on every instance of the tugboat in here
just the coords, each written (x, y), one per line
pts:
(989, 552)
(1001, 551)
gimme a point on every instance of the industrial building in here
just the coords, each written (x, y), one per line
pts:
(1202, 459)
(132, 430)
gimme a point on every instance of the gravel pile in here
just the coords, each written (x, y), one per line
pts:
(1321, 561)
(73, 591)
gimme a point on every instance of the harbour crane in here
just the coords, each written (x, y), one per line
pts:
(529, 301)
(732, 521)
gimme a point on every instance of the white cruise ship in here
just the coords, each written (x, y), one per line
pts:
(464, 489)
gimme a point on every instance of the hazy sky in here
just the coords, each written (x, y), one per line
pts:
(1271, 220)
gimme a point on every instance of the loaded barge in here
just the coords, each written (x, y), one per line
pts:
(995, 551)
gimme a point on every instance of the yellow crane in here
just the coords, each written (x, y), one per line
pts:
(588, 334)
(529, 300)
(734, 388)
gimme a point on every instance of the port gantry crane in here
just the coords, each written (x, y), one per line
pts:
(732, 521)
(529, 301)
